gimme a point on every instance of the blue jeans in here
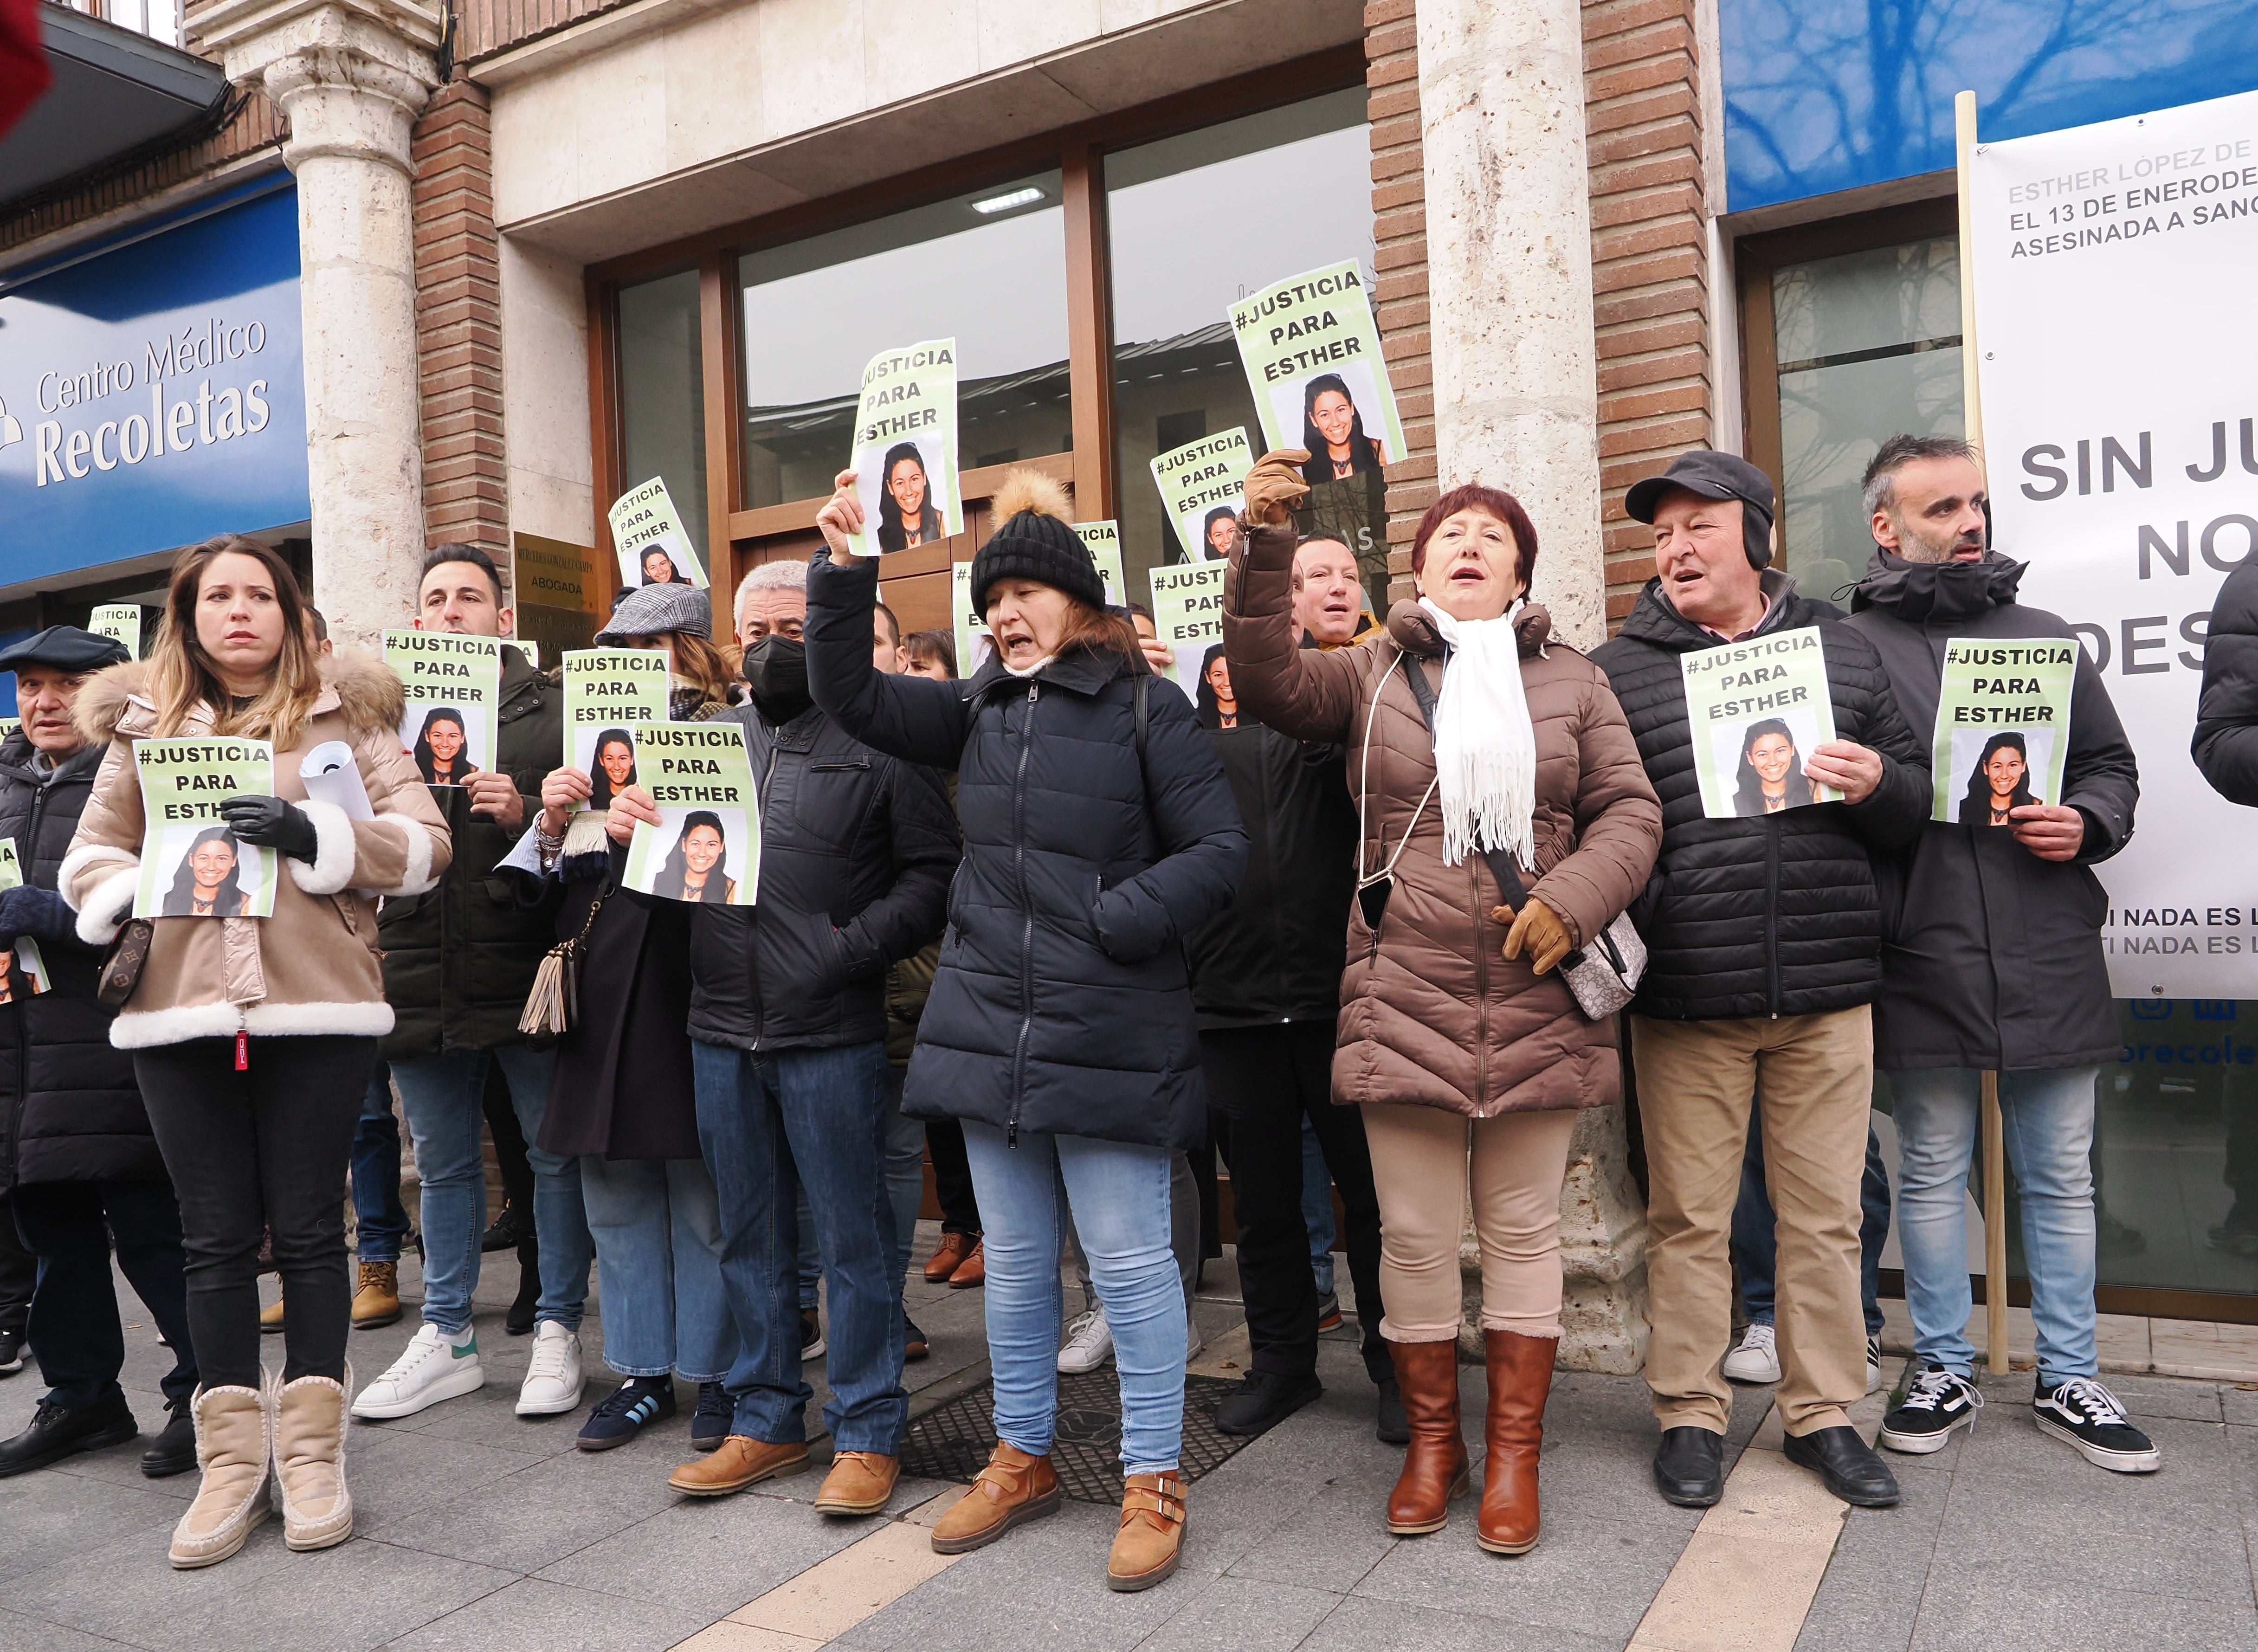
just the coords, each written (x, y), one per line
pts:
(442, 1097)
(1318, 1208)
(1756, 1253)
(2048, 1121)
(773, 1125)
(657, 1230)
(379, 1216)
(905, 1191)
(1120, 1198)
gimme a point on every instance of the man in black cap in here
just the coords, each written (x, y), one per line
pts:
(78, 1165)
(1764, 938)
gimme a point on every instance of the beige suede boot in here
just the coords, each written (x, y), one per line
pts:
(232, 1448)
(310, 1461)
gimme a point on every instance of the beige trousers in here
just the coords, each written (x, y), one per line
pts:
(1813, 1078)
(1421, 1160)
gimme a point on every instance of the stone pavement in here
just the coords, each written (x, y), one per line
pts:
(481, 1530)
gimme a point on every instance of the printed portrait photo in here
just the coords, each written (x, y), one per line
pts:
(1999, 770)
(1338, 413)
(441, 739)
(658, 568)
(1762, 762)
(205, 873)
(23, 973)
(606, 756)
(904, 490)
(705, 856)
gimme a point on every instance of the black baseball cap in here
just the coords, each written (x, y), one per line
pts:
(64, 648)
(1714, 476)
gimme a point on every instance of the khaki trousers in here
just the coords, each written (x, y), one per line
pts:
(1813, 1078)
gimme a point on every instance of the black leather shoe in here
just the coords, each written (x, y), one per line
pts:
(173, 1451)
(1689, 1466)
(1847, 1464)
(57, 1432)
(1389, 1425)
(519, 1320)
(1265, 1400)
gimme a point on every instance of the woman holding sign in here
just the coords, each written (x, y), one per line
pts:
(1507, 822)
(253, 1038)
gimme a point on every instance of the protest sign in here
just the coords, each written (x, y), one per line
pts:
(1188, 614)
(22, 970)
(2002, 727)
(1311, 353)
(1201, 483)
(529, 647)
(2108, 261)
(973, 642)
(1758, 710)
(707, 845)
(610, 696)
(191, 865)
(1103, 539)
(653, 546)
(121, 622)
(904, 457)
(8, 726)
(453, 685)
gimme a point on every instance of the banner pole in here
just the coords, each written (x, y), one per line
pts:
(1971, 392)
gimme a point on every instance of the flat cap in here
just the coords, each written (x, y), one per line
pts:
(64, 648)
(649, 611)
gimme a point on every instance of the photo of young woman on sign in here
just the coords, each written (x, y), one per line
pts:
(906, 516)
(1221, 531)
(1216, 705)
(442, 750)
(208, 876)
(2000, 781)
(658, 568)
(1332, 431)
(1771, 776)
(693, 870)
(613, 769)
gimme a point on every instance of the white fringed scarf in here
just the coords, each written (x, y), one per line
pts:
(1484, 746)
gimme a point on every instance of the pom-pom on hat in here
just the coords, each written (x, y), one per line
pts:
(1036, 541)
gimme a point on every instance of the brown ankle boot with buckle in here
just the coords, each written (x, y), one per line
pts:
(1014, 1489)
(376, 1299)
(1151, 1539)
(1520, 1377)
(1436, 1468)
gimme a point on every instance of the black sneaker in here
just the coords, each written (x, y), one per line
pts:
(504, 1233)
(2083, 1414)
(811, 1333)
(1937, 1401)
(173, 1451)
(58, 1431)
(710, 1423)
(519, 1320)
(1264, 1399)
(1389, 1425)
(914, 1345)
(11, 1353)
(1329, 1312)
(638, 1400)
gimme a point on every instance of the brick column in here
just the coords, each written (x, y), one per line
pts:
(1399, 233)
(459, 324)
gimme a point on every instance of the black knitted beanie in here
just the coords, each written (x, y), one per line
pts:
(1036, 543)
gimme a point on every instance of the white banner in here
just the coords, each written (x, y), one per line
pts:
(2113, 269)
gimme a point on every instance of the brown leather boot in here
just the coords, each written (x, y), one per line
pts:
(860, 1483)
(376, 1298)
(1151, 1540)
(1520, 1377)
(1013, 1489)
(1436, 1468)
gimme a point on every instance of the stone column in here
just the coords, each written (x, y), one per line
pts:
(1509, 246)
(351, 76)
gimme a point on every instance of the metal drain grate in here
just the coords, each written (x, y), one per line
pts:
(953, 1441)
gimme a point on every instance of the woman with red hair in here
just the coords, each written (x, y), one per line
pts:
(1472, 736)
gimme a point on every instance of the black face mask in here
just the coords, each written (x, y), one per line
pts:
(776, 671)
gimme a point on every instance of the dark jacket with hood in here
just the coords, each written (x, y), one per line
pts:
(1776, 916)
(69, 1107)
(2226, 745)
(458, 958)
(1992, 957)
(1062, 1004)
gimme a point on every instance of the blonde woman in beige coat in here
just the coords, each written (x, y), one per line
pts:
(254, 1038)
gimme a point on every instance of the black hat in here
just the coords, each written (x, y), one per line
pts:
(1714, 476)
(65, 648)
(1035, 542)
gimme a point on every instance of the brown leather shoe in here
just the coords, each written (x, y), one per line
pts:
(376, 1298)
(860, 1483)
(1436, 1468)
(1151, 1539)
(954, 1248)
(973, 1270)
(738, 1462)
(1013, 1489)
(1520, 1377)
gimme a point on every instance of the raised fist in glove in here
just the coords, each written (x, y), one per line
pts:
(269, 823)
(39, 914)
(1537, 930)
(1275, 484)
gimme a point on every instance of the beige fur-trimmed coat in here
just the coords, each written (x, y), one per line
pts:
(313, 967)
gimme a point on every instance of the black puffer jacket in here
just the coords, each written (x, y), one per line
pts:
(69, 1108)
(1992, 957)
(1777, 915)
(1062, 1004)
(856, 852)
(458, 960)
(2226, 743)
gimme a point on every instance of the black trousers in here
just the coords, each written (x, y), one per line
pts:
(952, 1177)
(74, 1331)
(19, 1272)
(1265, 1080)
(266, 1147)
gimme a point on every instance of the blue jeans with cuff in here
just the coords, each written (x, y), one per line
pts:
(380, 1220)
(657, 1231)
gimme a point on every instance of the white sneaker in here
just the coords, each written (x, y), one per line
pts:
(1873, 1364)
(553, 1379)
(1756, 1360)
(431, 1368)
(1088, 1343)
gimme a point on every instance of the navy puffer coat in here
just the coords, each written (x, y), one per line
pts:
(1062, 1003)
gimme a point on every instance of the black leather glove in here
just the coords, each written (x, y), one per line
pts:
(269, 823)
(39, 914)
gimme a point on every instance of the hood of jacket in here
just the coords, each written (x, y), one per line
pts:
(1920, 592)
(1413, 630)
(358, 686)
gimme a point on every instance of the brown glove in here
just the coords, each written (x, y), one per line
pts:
(1537, 932)
(1275, 484)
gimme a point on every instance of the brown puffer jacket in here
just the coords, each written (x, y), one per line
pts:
(1431, 1012)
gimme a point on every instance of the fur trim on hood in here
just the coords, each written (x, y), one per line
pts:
(358, 684)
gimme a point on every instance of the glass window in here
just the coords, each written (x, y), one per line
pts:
(987, 269)
(1869, 345)
(1178, 216)
(662, 395)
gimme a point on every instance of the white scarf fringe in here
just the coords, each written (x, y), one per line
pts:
(1484, 746)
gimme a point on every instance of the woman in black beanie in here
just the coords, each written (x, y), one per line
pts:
(1098, 831)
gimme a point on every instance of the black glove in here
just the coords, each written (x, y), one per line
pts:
(269, 823)
(39, 914)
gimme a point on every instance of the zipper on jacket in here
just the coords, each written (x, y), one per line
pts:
(1772, 913)
(1027, 919)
